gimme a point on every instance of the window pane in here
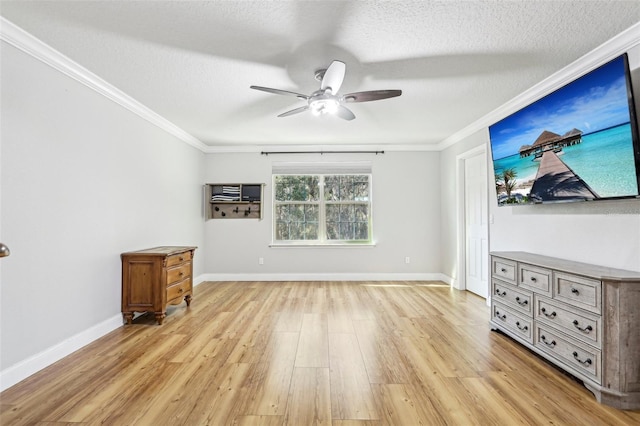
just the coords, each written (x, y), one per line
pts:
(361, 231)
(347, 213)
(282, 230)
(347, 222)
(297, 188)
(361, 188)
(361, 213)
(346, 188)
(296, 222)
(332, 188)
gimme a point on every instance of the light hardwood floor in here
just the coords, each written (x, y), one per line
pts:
(309, 353)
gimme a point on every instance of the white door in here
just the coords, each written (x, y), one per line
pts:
(476, 229)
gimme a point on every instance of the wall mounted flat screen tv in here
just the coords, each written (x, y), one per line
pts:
(579, 143)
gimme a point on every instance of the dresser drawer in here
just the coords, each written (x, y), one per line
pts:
(580, 357)
(519, 299)
(535, 279)
(575, 322)
(177, 259)
(178, 273)
(585, 293)
(517, 323)
(179, 290)
(503, 269)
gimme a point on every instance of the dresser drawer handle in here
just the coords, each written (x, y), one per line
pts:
(533, 279)
(585, 330)
(181, 273)
(585, 362)
(524, 302)
(501, 294)
(180, 290)
(502, 317)
(503, 270)
(525, 328)
(551, 344)
(181, 258)
(551, 315)
(575, 291)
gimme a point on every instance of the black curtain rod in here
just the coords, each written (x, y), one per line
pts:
(320, 152)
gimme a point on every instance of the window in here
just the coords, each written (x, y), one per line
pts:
(322, 208)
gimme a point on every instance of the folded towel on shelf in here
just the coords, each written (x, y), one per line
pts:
(225, 198)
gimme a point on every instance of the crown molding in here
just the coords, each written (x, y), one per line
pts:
(22, 40)
(598, 56)
(229, 149)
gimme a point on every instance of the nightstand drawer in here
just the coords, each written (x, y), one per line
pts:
(178, 273)
(503, 269)
(516, 323)
(579, 357)
(535, 279)
(179, 290)
(583, 292)
(519, 299)
(178, 259)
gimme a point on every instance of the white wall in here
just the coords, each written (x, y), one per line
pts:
(604, 232)
(82, 180)
(406, 222)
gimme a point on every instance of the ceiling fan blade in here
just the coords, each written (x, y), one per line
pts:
(280, 92)
(372, 95)
(334, 76)
(294, 111)
(345, 113)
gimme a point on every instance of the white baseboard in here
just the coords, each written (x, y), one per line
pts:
(23, 369)
(199, 279)
(328, 277)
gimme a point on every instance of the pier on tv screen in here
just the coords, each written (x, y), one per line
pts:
(578, 143)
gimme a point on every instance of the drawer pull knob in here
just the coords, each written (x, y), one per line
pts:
(503, 270)
(181, 258)
(502, 317)
(180, 290)
(524, 328)
(181, 273)
(551, 315)
(586, 329)
(524, 302)
(501, 294)
(533, 279)
(551, 344)
(575, 291)
(585, 362)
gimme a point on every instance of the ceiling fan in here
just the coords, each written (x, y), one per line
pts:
(326, 100)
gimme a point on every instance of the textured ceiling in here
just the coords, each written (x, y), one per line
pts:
(193, 62)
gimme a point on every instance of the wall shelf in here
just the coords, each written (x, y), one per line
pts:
(233, 200)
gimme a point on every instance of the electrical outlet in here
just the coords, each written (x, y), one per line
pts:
(261, 261)
(407, 260)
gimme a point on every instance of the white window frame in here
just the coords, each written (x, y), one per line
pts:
(322, 171)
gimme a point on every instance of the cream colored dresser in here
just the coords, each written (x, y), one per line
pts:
(583, 318)
(154, 278)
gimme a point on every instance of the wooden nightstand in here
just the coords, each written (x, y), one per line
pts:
(154, 278)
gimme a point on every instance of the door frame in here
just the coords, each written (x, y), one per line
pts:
(461, 268)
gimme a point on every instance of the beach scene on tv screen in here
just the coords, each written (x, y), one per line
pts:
(574, 144)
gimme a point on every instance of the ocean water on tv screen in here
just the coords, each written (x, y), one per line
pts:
(604, 160)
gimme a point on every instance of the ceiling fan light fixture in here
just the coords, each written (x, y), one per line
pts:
(326, 100)
(324, 106)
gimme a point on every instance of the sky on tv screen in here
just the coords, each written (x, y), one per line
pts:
(595, 101)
